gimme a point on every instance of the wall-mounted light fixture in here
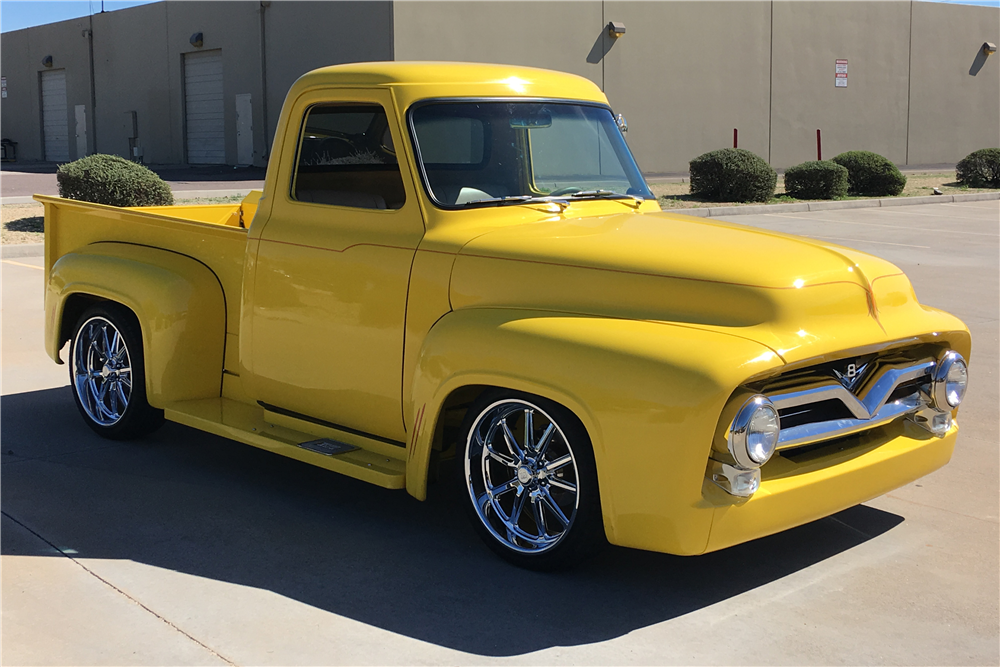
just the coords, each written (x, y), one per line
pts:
(989, 48)
(616, 29)
(197, 40)
(47, 61)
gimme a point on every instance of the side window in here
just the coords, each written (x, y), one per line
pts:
(345, 159)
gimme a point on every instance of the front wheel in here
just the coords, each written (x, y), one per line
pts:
(107, 374)
(531, 481)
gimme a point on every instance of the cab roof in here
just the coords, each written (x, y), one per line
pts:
(412, 81)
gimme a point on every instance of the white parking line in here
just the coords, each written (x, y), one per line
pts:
(930, 215)
(875, 224)
(839, 238)
(985, 205)
(30, 266)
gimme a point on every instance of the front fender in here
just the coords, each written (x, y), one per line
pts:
(649, 394)
(179, 304)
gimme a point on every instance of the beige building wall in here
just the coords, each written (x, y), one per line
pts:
(564, 36)
(954, 88)
(21, 63)
(131, 74)
(870, 113)
(139, 57)
(685, 74)
(138, 66)
(302, 36)
(233, 27)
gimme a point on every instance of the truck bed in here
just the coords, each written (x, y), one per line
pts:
(215, 235)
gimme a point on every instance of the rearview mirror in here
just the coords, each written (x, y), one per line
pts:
(531, 120)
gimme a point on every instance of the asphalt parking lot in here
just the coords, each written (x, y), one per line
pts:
(185, 548)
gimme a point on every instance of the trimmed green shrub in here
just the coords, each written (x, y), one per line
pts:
(980, 169)
(112, 180)
(871, 175)
(732, 174)
(816, 180)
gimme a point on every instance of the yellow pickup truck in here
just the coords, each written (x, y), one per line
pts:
(461, 265)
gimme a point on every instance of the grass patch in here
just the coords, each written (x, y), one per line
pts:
(678, 195)
(231, 199)
(22, 223)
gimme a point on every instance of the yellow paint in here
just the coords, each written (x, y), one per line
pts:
(645, 324)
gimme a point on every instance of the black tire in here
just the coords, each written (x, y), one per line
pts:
(107, 371)
(530, 517)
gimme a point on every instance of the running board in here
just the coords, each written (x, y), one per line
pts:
(247, 424)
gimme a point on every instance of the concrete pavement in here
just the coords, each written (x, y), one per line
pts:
(185, 548)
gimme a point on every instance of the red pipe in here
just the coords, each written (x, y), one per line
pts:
(819, 146)
(735, 138)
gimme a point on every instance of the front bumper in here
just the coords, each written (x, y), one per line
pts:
(798, 490)
(795, 488)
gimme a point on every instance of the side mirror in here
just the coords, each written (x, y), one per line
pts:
(621, 123)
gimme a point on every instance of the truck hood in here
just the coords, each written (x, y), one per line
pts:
(799, 297)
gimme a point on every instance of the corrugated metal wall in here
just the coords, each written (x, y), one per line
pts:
(204, 108)
(55, 118)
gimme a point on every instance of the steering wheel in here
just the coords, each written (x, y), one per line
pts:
(564, 191)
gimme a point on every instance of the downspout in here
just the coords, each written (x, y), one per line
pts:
(264, 4)
(93, 85)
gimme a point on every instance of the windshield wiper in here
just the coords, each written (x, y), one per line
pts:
(559, 200)
(605, 194)
(514, 199)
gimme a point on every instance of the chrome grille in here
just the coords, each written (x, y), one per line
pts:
(822, 408)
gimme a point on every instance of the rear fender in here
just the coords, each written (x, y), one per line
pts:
(178, 302)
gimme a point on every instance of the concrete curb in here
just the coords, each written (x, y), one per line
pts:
(720, 211)
(179, 195)
(11, 250)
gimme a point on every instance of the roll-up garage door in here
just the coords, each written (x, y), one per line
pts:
(203, 107)
(55, 118)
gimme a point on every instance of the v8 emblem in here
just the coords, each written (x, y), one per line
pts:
(852, 374)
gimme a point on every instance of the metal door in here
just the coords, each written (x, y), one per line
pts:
(204, 111)
(55, 118)
(244, 130)
(81, 130)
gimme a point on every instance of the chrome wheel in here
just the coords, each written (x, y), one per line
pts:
(102, 371)
(522, 477)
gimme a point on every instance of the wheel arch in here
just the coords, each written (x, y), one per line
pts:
(177, 301)
(643, 391)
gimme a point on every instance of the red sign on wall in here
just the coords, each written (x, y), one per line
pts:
(840, 77)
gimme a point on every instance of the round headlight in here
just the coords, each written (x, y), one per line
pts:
(951, 377)
(753, 435)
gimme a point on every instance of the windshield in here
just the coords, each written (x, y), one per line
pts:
(485, 153)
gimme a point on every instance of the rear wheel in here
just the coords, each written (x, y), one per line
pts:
(531, 482)
(107, 374)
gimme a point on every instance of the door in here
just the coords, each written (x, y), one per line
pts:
(80, 111)
(332, 267)
(204, 112)
(244, 130)
(55, 117)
